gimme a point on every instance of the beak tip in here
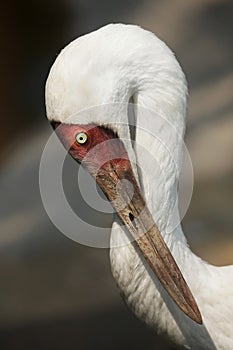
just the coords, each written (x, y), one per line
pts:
(198, 318)
(194, 313)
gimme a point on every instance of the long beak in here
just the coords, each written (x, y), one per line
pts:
(133, 212)
(116, 178)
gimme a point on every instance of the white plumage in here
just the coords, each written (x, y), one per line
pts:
(114, 64)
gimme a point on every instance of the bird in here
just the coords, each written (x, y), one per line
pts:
(87, 94)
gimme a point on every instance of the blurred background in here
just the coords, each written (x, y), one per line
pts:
(54, 293)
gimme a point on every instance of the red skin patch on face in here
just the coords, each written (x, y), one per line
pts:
(102, 146)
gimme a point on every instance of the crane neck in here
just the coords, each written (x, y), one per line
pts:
(157, 86)
(160, 113)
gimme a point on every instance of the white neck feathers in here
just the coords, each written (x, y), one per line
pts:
(129, 63)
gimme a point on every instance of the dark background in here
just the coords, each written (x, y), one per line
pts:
(54, 293)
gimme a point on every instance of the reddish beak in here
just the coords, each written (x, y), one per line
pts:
(116, 178)
(135, 215)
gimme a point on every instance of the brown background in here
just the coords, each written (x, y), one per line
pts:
(54, 293)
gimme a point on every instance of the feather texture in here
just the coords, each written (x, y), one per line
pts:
(110, 66)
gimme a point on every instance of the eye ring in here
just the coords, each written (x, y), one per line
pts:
(81, 138)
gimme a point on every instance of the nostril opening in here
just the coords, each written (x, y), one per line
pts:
(131, 217)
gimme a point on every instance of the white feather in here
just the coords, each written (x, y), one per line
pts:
(111, 65)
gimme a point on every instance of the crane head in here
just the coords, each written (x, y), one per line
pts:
(97, 69)
(103, 154)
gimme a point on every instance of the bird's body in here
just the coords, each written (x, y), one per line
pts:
(112, 66)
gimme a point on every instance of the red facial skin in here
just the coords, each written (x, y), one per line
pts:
(102, 146)
(103, 155)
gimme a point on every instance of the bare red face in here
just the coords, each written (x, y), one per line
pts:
(97, 148)
(101, 152)
(104, 155)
